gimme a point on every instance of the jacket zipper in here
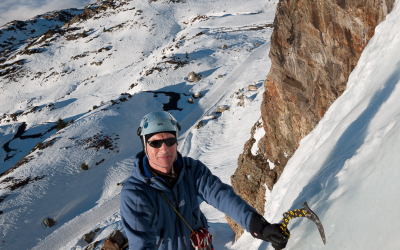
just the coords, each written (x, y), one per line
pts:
(152, 220)
(179, 224)
(161, 238)
(197, 219)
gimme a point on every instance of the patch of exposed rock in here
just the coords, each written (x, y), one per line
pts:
(115, 241)
(193, 77)
(88, 238)
(314, 47)
(89, 13)
(252, 173)
(49, 222)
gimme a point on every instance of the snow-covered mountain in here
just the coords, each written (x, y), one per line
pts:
(129, 58)
(133, 57)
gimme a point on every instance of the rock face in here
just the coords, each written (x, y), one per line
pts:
(252, 173)
(314, 47)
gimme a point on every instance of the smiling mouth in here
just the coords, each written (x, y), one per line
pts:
(164, 156)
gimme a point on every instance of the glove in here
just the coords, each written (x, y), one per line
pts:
(262, 229)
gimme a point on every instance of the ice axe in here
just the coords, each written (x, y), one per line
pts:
(303, 212)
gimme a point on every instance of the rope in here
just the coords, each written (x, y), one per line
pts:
(177, 212)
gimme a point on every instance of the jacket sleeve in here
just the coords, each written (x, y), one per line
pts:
(138, 219)
(220, 195)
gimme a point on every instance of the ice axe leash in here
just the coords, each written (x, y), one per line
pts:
(303, 212)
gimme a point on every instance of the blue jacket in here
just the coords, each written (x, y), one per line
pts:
(151, 223)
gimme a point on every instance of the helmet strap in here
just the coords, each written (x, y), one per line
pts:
(144, 145)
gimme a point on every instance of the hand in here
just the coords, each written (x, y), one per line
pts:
(262, 229)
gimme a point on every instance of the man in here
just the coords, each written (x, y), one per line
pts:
(159, 204)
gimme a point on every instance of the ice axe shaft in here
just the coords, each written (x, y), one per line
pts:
(303, 212)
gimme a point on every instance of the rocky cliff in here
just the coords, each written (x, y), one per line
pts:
(314, 47)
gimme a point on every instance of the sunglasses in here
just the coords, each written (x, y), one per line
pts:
(158, 143)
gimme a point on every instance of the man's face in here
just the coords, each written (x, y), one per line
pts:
(161, 158)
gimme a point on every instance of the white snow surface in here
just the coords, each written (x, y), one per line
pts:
(260, 133)
(346, 168)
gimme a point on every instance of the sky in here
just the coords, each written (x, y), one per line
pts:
(25, 9)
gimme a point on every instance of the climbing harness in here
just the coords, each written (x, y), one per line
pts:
(200, 239)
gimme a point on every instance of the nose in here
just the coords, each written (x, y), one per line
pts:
(164, 147)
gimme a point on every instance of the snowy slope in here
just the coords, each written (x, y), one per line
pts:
(126, 60)
(347, 169)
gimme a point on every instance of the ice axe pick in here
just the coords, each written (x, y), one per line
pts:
(303, 212)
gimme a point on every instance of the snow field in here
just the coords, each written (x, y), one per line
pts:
(81, 201)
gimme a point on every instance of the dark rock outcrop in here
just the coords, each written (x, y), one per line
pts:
(115, 241)
(92, 246)
(90, 12)
(314, 47)
(88, 238)
(49, 222)
(252, 173)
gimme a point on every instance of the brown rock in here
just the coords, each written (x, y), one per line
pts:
(251, 87)
(241, 102)
(222, 109)
(197, 95)
(96, 63)
(199, 125)
(314, 47)
(49, 222)
(109, 245)
(92, 246)
(88, 238)
(117, 237)
(193, 77)
(249, 178)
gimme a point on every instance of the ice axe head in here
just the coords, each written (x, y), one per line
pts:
(303, 212)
